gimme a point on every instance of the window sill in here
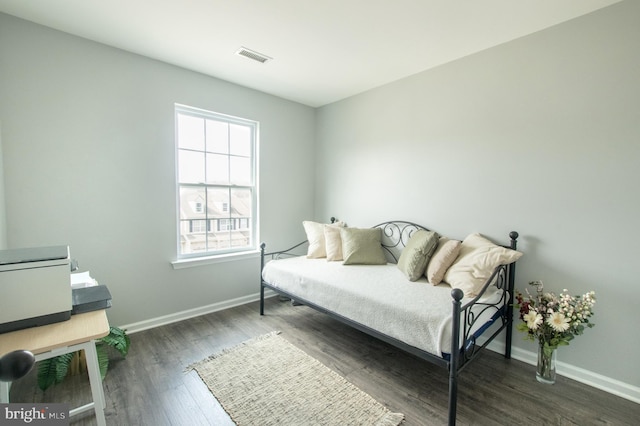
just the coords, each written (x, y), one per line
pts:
(209, 260)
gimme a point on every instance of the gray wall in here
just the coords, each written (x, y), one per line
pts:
(88, 146)
(540, 135)
(3, 210)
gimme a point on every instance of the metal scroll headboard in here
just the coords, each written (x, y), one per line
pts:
(395, 236)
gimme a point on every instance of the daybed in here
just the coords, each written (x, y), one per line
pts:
(343, 275)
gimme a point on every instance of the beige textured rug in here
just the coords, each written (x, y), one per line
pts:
(268, 381)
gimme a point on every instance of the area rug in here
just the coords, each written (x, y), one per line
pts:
(268, 381)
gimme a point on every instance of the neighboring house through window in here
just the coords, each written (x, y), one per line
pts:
(216, 179)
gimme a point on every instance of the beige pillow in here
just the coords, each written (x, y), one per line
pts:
(416, 253)
(362, 246)
(476, 262)
(333, 242)
(315, 236)
(444, 256)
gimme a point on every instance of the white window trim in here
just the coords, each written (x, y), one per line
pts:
(190, 262)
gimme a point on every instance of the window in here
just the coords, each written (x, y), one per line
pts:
(198, 226)
(216, 180)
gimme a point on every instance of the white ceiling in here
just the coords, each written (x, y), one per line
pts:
(322, 50)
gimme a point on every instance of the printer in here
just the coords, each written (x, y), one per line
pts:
(35, 287)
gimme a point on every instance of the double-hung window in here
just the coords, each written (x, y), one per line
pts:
(216, 179)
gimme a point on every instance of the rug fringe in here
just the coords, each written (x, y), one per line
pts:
(190, 367)
(390, 419)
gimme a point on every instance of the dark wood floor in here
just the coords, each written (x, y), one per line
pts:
(152, 387)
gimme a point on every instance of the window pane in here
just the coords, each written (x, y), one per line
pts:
(217, 169)
(190, 166)
(240, 170)
(190, 132)
(241, 210)
(192, 212)
(218, 203)
(217, 137)
(240, 140)
(191, 198)
(220, 235)
(241, 203)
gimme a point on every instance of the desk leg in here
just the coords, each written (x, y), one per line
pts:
(96, 382)
(4, 392)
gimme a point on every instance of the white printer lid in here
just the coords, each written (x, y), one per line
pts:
(35, 254)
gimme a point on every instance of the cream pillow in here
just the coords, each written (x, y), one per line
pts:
(333, 242)
(315, 236)
(444, 256)
(362, 246)
(476, 262)
(416, 253)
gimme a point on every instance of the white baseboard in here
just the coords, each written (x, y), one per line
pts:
(191, 313)
(598, 381)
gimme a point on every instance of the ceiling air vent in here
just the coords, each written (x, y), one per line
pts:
(252, 54)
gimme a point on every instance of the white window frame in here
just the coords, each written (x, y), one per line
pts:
(225, 254)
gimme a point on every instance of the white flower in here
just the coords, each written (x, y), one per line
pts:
(558, 322)
(533, 319)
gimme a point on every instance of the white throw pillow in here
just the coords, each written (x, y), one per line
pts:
(333, 242)
(477, 260)
(315, 236)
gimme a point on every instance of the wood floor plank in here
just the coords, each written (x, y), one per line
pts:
(153, 385)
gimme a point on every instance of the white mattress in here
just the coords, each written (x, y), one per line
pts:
(378, 296)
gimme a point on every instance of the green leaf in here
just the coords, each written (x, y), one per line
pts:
(46, 374)
(53, 370)
(548, 349)
(118, 339)
(103, 359)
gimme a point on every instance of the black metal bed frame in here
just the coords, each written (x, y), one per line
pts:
(395, 236)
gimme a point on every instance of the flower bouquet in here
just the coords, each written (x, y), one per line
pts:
(554, 320)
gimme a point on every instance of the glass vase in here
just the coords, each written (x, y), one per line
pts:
(546, 370)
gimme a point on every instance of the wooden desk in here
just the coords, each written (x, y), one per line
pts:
(60, 338)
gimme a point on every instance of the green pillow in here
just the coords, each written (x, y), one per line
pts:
(362, 246)
(416, 254)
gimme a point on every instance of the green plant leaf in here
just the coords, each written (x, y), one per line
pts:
(103, 359)
(53, 370)
(46, 374)
(118, 339)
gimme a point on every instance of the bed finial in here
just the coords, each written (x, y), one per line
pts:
(457, 294)
(514, 237)
(333, 219)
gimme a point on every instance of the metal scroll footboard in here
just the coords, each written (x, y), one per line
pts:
(464, 345)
